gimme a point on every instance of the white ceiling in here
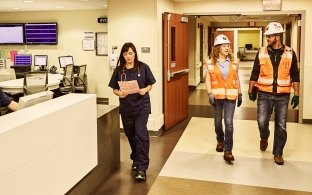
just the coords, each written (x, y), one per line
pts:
(48, 5)
(45, 5)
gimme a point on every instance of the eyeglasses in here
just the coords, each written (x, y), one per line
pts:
(269, 36)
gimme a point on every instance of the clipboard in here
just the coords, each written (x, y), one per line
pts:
(129, 87)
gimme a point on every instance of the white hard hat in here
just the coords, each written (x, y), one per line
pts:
(273, 28)
(221, 39)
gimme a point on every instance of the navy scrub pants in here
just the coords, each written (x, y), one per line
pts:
(136, 131)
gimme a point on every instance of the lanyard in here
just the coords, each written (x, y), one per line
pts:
(123, 76)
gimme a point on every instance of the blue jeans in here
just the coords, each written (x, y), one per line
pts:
(228, 107)
(266, 104)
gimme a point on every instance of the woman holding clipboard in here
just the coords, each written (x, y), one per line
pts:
(131, 81)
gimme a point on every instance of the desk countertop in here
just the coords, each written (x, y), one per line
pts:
(16, 86)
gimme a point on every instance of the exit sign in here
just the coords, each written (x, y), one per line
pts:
(102, 20)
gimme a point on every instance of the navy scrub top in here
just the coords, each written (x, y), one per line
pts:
(134, 103)
(4, 99)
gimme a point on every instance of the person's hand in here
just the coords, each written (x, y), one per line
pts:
(142, 91)
(211, 99)
(122, 94)
(252, 97)
(239, 99)
(295, 101)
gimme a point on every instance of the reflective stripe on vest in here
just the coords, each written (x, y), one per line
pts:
(265, 80)
(220, 88)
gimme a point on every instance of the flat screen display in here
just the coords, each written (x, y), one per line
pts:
(65, 60)
(40, 60)
(41, 33)
(11, 33)
(22, 60)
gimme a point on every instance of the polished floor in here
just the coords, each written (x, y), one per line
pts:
(183, 160)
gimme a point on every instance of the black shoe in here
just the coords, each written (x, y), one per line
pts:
(134, 167)
(140, 175)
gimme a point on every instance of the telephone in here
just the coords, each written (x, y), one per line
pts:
(53, 70)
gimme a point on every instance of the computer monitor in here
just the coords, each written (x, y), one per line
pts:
(248, 46)
(22, 60)
(65, 60)
(41, 61)
(33, 99)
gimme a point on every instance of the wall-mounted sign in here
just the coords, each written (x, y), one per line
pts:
(101, 44)
(251, 23)
(102, 20)
(272, 5)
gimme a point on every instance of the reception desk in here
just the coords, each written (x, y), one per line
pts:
(108, 137)
(48, 148)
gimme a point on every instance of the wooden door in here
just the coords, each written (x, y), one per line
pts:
(175, 66)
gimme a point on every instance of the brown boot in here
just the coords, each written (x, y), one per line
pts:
(263, 144)
(228, 156)
(220, 147)
(278, 159)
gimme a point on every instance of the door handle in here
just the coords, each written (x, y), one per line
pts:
(177, 73)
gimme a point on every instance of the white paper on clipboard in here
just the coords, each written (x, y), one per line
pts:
(129, 87)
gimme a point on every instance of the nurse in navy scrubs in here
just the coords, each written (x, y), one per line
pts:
(134, 108)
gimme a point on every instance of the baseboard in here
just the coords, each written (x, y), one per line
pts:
(306, 121)
(102, 101)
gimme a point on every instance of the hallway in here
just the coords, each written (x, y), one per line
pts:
(173, 169)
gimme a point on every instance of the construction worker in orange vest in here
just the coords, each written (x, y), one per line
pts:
(274, 72)
(223, 87)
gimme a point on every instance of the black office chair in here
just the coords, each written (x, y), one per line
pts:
(80, 82)
(67, 85)
(35, 82)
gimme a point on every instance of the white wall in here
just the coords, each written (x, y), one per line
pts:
(71, 28)
(136, 22)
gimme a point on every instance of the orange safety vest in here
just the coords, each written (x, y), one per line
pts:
(266, 77)
(224, 89)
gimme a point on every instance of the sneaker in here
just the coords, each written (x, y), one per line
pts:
(220, 147)
(140, 175)
(278, 159)
(134, 167)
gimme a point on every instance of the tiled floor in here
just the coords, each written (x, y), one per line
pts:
(193, 167)
(194, 159)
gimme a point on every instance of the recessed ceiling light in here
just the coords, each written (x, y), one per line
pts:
(28, 1)
(15, 8)
(60, 6)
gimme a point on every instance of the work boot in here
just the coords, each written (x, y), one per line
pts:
(220, 147)
(278, 159)
(228, 156)
(263, 144)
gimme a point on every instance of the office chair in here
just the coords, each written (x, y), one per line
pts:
(242, 54)
(35, 82)
(80, 81)
(66, 85)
